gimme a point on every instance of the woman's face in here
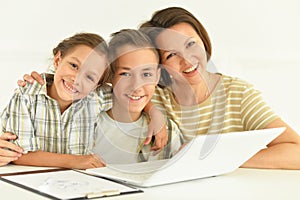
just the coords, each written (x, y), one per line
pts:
(183, 53)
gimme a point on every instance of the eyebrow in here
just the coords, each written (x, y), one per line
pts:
(76, 60)
(187, 40)
(127, 68)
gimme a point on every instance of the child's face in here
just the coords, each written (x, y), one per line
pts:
(135, 79)
(78, 72)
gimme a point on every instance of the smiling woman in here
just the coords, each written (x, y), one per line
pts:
(202, 102)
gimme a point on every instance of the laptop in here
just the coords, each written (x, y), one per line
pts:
(204, 156)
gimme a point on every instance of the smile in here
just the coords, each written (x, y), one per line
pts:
(69, 87)
(134, 97)
(191, 69)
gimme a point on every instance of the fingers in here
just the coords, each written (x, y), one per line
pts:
(160, 143)
(148, 139)
(161, 139)
(21, 83)
(98, 161)
(6, 160)
(8, 136)
(14, 149)
(7, 156)
(28, 78)
(37, 77)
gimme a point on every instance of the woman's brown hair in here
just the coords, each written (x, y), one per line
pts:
(171, 16)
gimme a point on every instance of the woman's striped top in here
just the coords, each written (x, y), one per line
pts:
(234, 105)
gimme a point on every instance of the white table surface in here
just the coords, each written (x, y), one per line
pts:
(241, 184)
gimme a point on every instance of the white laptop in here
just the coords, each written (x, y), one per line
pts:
(204, 156)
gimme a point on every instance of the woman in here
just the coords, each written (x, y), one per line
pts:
(203, 102)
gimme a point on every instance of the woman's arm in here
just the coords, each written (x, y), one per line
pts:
(282, 153)
(47, 159)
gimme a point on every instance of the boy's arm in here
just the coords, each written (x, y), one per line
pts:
(157, 127)
(47, 159)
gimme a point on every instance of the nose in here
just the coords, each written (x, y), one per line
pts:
(185, 58)
(184, 61)
(135, 83)
(76, 78)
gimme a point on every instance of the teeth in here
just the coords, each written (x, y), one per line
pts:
(134, 97)
(70, 87)
(191, 69)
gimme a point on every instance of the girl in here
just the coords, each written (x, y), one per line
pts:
(133, 73)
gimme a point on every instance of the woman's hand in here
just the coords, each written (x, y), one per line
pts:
(8, 151)
(30, 78)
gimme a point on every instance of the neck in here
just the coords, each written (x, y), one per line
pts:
(123, 115)
(196, 93)
(52, 92)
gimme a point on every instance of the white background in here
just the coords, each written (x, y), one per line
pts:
(256, 40)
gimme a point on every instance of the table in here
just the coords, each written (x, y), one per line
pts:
(240, 184)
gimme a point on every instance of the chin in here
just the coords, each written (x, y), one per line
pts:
(136, 110)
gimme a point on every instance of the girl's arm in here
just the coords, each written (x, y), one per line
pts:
(157, 127)
(47, 159)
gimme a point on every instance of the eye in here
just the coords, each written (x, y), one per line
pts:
(73, 65)
(147, 74)
(91, 78)
(191, 43)
(170, 55)
(124, 74)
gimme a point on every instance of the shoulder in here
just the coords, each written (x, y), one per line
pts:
(162, 94)
(104, 91)
(35, 88)
(234, 81)
(235, 84)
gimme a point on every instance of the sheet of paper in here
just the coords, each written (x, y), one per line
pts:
(10, 169)
(67, 184)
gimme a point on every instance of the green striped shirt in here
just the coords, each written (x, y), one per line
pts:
(37, 121)
(234, 105)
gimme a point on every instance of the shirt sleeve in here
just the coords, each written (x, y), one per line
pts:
(51, 70)
(256, 114)
(175, 140)
(16, 118)
(104, 95)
